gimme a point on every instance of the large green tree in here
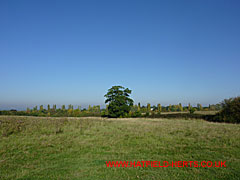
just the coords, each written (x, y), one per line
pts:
(231, 111)
(119, 102)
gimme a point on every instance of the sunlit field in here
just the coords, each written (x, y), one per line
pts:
(196, 112)
(78, 148)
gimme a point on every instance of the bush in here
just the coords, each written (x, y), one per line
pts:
(178, 116)
(136, 114)
(147, 114)
(231, 111)
(192, 110)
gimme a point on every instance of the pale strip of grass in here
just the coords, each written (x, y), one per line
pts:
(196, 112)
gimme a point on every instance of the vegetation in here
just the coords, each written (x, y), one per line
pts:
(192, 110)
(230, 112)
(78, 148)
(119, 104)
(93, 111)
(135, 111)
(96, 110)
(119, 101)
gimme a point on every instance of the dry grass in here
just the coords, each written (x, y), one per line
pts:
(196, 112)
(77, 148)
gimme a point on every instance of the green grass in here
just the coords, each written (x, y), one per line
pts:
(77, 148)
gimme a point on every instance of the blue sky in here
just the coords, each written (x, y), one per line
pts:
(71, 52)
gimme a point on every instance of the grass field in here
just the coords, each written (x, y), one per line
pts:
(77, 148)
(196, 112)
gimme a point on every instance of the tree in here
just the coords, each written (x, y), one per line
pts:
(170, 108)
(70, 107)
(48, 107)
(148, 107)
(41, 108)
(174, 108)
(199, 107)
(89, 108)
(119, 103)
(159, 108)
(70, 111)
(35, 108)
(139, 107)
(230, 111)
(54, 107)
(189, 106)
(180, 107)
(98, 108)
(107, 108)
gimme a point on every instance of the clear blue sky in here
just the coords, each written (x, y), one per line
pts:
(62, 52)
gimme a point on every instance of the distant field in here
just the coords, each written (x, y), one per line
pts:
(196, 112)
(206, 112)
(77, 148)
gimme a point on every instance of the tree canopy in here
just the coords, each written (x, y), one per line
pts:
(119, 102)
(230, 111)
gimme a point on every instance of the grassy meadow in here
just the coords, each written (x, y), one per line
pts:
(77, 148)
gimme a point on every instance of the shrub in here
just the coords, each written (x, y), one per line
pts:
(147, 114)
(136, 114)
(231, 111)
(192, 110)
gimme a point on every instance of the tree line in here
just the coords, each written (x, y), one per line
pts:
(96, 110)
(119, 104)
(53, 111)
